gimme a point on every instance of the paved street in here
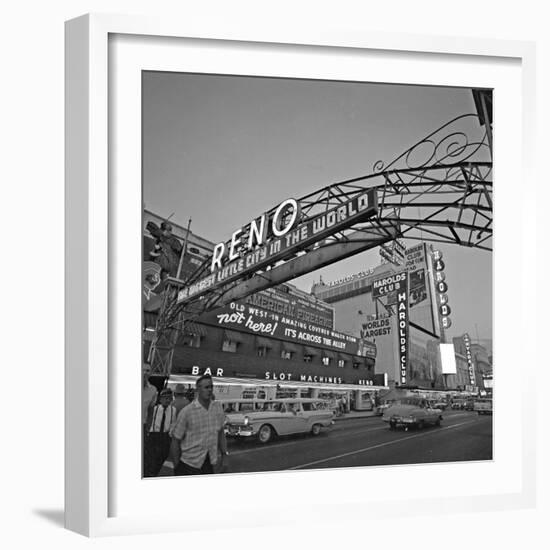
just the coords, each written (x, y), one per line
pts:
(367, 442)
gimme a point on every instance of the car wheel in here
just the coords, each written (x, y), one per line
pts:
(420, 424)
(265, 434)
(316, 429)
(392, 425)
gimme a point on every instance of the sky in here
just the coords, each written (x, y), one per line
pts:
(221, 150)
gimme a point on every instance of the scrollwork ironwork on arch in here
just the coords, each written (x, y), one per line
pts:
(459, 140)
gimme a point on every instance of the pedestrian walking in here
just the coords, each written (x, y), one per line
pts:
(157, 442)
(148, 398)
(180, 398)
(198, 439)
(344, 404)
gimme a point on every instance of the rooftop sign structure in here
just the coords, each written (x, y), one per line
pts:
(438, 190)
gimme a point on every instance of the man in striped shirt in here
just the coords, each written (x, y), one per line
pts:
(198, 440)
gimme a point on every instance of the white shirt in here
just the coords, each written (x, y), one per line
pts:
(157, 418)
(148, 399)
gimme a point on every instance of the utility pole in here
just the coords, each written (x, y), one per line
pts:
(184, 250)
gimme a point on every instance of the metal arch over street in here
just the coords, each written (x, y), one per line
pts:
(439, 190)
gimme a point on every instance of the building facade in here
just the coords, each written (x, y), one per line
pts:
(473, 365)
(365, 305)
(277, 341)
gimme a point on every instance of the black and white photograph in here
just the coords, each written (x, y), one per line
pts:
(317, 274)
(269, 230)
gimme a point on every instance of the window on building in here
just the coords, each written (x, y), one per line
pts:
(326, 361)
(230, 346)
(262, 351)
(341, 363)
(308, 358)
(355, 365)
(286, 354)
(192, 340)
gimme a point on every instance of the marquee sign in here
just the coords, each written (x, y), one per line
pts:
(350, 278)
(415, 263)
(265, 241)
(469, 360)
(379, 326)
(393, 252)
(198, 370)
(292, 306)
(242, 316)
(391, 283)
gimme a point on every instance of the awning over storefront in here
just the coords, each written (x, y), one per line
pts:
(343, 357)
(194, 329)
(190, 379)
(263, 342)
(329, 354)
(359, 360)
(233, 336)
(311, 351)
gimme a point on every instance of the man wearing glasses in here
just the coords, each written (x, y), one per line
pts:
(198, 440)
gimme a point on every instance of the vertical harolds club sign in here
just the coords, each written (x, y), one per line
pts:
(272, 238)
(403, 329)
(397, 285)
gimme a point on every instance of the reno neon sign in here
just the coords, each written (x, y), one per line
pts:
(275, 237)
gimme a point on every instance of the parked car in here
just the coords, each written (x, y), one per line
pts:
(483, 406)
(243, 405)
(280, 417)
(412, 412)
(458, 404)
(469, 405)
(442, 405)
(383, 406)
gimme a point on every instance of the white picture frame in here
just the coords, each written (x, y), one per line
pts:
(104, 491)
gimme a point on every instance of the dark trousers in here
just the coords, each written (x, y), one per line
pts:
(157, 449)
(183, 469)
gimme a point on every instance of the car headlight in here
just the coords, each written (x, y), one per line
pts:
(246, 421)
